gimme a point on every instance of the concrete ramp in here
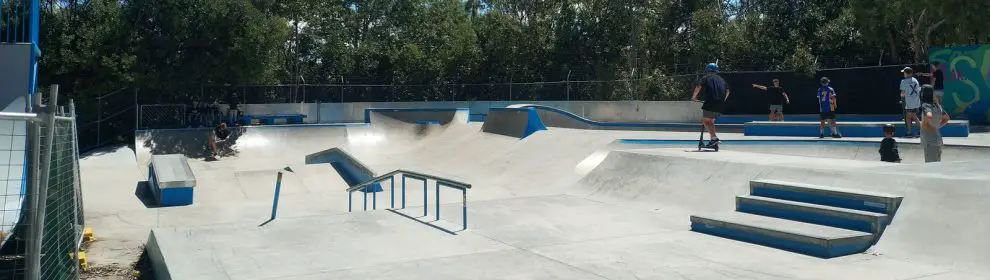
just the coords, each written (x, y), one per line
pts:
(554, 117)
(513, 122)
(935, 223)
(438, 116)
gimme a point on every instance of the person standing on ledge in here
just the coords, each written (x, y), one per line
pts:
(827, 104)
(716, 92)
(777, 99)
(910, 91)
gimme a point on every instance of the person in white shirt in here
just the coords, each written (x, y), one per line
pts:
(911, 93)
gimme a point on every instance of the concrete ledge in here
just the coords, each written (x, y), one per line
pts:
(956, 128)
(823, 195)
(811, 213)
(171, 180)
(513, 122)
(350, 169)
(802, 238)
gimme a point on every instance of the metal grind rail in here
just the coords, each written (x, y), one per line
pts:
(406, 174)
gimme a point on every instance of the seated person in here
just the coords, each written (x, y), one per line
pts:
(220, 134)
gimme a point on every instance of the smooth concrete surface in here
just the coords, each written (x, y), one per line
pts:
(172, 171)
(559, 204)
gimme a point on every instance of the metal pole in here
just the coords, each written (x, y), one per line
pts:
(391, 181)
(341, 89)
(350, 203)
(278, 189)
(464, 206)
(99, 120)
(78, 219)
(403, 191)
(33, 250)
(34, 263)
(365, 191)
(374, 198)
(438, 200)
(568, 85)
(425, 196)
(137, 111)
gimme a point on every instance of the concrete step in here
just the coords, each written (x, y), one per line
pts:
(813, 213)
(828, 196)
(809, 239)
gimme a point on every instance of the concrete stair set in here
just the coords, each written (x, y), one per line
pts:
(813, 220)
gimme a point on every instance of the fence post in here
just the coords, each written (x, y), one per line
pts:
(99, 120)
(77, 186)
(278, 189)
(39, 204)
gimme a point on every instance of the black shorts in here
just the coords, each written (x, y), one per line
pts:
(826, 116)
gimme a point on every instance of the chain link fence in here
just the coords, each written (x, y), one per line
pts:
(42, 222)
(162, 116)
(63, 224)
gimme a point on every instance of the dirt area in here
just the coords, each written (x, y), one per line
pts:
(139, 269)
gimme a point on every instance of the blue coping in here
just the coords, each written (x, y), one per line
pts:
(830, 142)
(367, 112)
(756, 142)
(808, 217)
(428, 122)
(612, 124)
(781, 243)
(270, 119)
(829, 200)
(846, 128)
(742, 119)
(533, 121)
(352, 176)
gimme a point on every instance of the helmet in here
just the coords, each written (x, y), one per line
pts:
(711, 67)
(825, 81)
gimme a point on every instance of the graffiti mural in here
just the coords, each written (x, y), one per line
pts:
(967, 80)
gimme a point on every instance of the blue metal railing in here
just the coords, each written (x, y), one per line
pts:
(406, 174)
(19, 21)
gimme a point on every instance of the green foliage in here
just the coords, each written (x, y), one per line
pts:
(170, 48)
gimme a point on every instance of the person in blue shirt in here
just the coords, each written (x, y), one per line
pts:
(827, 105)
(716, 92)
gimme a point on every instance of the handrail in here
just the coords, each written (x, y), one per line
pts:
(15, 116)
(416, 175)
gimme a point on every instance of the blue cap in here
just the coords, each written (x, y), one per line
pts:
(712, 67)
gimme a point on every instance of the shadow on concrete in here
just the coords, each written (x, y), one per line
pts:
(419, 220)
(193, 143)
(143, 193)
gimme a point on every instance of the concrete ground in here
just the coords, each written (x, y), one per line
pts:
(560, 204)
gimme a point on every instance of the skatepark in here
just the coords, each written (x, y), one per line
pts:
(540, 194)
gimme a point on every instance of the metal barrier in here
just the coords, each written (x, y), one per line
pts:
(440, 181)
(44, 201)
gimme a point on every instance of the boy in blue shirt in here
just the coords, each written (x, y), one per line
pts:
(826, 106)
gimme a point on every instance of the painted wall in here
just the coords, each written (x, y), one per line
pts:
(604, 111)
(967, 80)
(15, 77)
